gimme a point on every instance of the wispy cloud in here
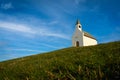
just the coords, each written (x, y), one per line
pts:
(16, 27)
(50, 46)
(26, 30)
(20, 49)
(7, 6)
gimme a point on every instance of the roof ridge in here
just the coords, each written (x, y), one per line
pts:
(88, 35)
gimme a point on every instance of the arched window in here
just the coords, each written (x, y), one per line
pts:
(77, 43)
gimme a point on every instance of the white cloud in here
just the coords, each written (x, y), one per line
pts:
(50, 46)
(6, 6)
(16, 27)
(20, 49)
(59, 35)
(27, 30)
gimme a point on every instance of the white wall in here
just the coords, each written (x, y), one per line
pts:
(88, 41)
(78, 36)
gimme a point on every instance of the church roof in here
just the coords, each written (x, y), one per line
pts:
(88, 35)
(78, 22)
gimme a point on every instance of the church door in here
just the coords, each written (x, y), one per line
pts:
(77, 44)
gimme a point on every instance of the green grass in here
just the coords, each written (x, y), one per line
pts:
(100, 62)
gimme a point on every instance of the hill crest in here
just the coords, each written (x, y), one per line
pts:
(92, 62)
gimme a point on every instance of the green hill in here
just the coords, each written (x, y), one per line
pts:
(100, 62)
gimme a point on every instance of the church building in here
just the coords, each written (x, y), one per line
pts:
(82, 38)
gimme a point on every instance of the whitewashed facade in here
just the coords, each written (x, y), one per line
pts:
(81, 38)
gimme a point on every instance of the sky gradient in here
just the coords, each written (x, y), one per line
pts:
(29, 27)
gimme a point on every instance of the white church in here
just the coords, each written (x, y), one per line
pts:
(82, 38)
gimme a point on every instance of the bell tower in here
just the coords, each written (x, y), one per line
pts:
(77, 39)
(78, 25)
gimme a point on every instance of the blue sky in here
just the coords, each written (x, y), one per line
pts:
(29, 27)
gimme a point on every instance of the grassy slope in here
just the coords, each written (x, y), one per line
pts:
(84, 63)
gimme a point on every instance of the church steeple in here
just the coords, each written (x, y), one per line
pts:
(78, 22)
(78, 25)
